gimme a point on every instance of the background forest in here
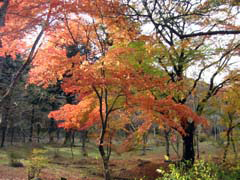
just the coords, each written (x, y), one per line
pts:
(119, 89)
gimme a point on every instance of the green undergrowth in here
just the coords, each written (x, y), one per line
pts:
(202, 170)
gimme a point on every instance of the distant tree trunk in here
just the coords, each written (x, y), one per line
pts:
(24, 136)
(12, 134)
(83, 138)
(31, 124)
(227, 145)
(4, 119)
(233, 145)
(167, 140)
(197, 145)
(58, 134)
(176, 149)
(145, 139)
(67, 137)
(72, 138)
(188, 146)
(38, 132)
(51, 129)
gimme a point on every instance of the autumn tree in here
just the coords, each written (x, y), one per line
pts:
(108, 68)
(190, 34)
(226, 104)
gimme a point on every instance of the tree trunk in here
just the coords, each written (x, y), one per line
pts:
(4, 129)
(4, 119)
(72, 138)
(67, 137)
(197, 144)
(188, 147)
(31, 125)
(227, 145)
(12, 135)
(145, 140)
(105, 160)
(38, 132)
(233, 146)
(83, 137)
(166, 136)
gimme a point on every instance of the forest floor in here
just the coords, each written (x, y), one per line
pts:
(70, 164)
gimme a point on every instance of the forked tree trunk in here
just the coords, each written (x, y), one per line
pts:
(188, 147)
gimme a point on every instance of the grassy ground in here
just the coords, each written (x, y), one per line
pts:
(71, 164)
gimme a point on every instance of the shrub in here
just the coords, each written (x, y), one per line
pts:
(200, 170)
(37, 162)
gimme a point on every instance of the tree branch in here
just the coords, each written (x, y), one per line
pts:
(209, 33)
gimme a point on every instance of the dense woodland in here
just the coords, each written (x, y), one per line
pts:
(119, 89)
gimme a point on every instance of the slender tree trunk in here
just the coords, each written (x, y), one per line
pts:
(233, 145)
(105, 160)
(188, 146)
(83, 137)
(197, 144)
(227, 145)
(12, 134)
(73, 138)
(24, 136)
(105, 155)
(58, 134)
(67, 137)
(38, 132)
(167, 141)
(178, 143)
(31, 125)
(145, 139)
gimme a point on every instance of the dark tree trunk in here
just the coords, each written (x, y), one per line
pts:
(188, 146)
(67, 137)
(4, 129)
(73, 138)
(83, 137)
(105, 162)
(145, 139)
(227, 145)
(24, 136)
(167, 136)
(38, 132)
(12, 134)
(31, 125)
(52, 127)
(58, 134)
(5, 113)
